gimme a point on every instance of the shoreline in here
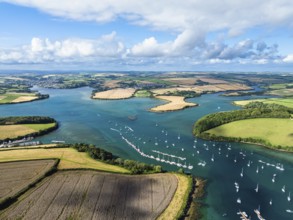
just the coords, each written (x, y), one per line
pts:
(245, 142)
(171, 100)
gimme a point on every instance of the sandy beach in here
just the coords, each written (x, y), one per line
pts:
(174, 103)
(115, 94)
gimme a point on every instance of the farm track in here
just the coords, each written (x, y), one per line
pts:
(95, 195)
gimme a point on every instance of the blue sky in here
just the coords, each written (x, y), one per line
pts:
(147, 35)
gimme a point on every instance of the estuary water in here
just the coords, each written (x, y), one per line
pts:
(240, 176)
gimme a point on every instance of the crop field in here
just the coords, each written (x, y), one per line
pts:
(288, 102)
(182, 81)
(276, 131)
(282, 92)
(69, 158)
(17, 97)
(174, 103)
(14, 131)
(16, 176)
(94, 195)
(115, 94)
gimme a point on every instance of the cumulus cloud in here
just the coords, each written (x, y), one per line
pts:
(288, 58)
(68, 50)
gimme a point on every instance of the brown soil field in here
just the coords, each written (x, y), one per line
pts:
(175, 103)
(24, 99)
(112, 83)
(17, 176)
(182, 81)
(94, 195)
(213, 81)
(115, 94)
(2, 97)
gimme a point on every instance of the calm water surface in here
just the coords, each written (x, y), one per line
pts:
(168, 136)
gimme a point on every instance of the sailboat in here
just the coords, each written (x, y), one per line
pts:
(212, 159)
(241, 174)
(190, 167)
(289, 197)
(256, 170)
(284, 188)
(248, 164)
(256, 189)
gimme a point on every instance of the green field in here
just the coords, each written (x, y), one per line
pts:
(143, 93)
(288, 102)
(275, 131)
(19, 130)
(280, 86)
(10, 97)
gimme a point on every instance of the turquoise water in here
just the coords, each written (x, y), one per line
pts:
(106, 124)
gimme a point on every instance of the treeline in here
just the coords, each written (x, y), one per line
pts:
(186, 94)
(26, 120)
(252, 110)
(100, 154)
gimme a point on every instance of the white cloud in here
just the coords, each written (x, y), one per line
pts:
(178, 15)
(68, 50)
(288, 58)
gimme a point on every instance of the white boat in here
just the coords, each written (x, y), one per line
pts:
(212, 159)
(190, 167)
(257, 212)
(256, 189)
(289, 197)
(256, 170)
(273, 179)
(289, 211)
(248, 164)
(182, 149)
(284, 188)
(241, 174)
(179, 137)
(239, 200)
(235, 160)
(271, 202)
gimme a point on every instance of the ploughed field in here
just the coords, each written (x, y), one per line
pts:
(17, 176)
(95, 195)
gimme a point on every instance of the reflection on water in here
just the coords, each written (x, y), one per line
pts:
(241, 176)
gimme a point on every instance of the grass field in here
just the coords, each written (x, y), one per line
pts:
(94, 195)
(69, 158)
(273, 130)
(179, 200)
(142, 93)
(280, 86)
(14, 131)
(288, 102)
(17, 98)
(282, 92)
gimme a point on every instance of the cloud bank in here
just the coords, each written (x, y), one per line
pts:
(189, 20)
